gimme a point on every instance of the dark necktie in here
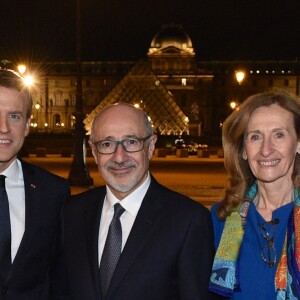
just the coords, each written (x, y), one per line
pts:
(112, 250)
(5, 234)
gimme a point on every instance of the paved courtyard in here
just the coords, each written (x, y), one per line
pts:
(202, 179)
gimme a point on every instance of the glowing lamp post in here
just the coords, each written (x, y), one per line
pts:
(233, 105)
(27, 78)
(22, 69)
(240, 76)
(37, 106)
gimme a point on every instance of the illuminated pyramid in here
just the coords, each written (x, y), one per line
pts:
(141, 87)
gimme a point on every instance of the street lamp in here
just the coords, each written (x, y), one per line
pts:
(240, 76)
(27, 78)
(79, 174)
(37, 107)
(233, 105)
(21, 69)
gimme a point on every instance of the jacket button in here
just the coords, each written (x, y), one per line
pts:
(4, 291)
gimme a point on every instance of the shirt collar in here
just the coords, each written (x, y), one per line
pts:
(14, 171)
(132, 202)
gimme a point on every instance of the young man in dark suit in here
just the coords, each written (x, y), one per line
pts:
(134, 239)
(31, 201)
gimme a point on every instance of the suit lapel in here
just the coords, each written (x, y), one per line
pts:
(148, 218)
(93, 215)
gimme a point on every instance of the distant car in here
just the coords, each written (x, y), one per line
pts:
(203, 146)
(179, 143)
(193, 147)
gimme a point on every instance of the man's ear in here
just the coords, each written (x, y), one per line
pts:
(151, 147)
(27, 128)
(94, 151)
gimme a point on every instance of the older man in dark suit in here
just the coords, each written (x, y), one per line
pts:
(31, 201)
(134, 239)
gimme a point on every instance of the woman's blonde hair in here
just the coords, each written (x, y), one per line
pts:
(239, 174)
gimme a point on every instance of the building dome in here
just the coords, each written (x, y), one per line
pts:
(172, 35)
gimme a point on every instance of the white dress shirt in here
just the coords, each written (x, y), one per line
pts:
(14, 184)
(131, 204)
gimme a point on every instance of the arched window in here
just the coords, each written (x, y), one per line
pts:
(71, 121)
(73, 98)
(56, 121)
(58, 98)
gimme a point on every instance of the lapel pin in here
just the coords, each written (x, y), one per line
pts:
(33, 186)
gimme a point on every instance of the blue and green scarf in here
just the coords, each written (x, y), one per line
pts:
(224, 279)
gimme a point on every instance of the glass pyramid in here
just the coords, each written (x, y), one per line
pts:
(142, 88)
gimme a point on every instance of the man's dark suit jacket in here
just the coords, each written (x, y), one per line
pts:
(168, 254)
(35, 273)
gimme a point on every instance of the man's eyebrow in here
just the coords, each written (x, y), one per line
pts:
(111, 138)
(16, 112)
(108, 138)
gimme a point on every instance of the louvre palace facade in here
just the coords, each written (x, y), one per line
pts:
(181, 94)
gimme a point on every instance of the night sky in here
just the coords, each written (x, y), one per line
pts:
(123, 29)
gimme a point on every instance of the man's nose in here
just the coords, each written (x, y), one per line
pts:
(4, 127)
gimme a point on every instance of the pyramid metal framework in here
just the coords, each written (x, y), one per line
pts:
(141, 87)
